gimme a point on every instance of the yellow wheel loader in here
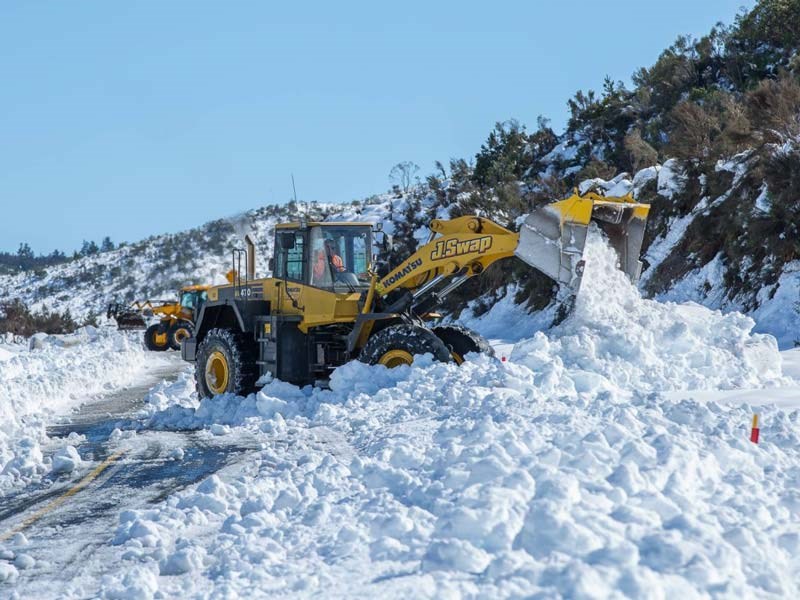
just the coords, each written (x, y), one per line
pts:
(327, 303)
(175, 319)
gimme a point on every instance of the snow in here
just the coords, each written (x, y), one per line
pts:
(762, 202)
(778, 311)
(791, 363)
(662, 246)
(57, 375)
(779, 307)
(583, 467)
(646, 345)
(644, 176)
(506, 320)
(619, 186)
(700, 285)
(66, 460)
(565, 151)
(670, 179)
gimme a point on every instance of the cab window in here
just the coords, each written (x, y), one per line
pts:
(289, 263)
(188, 300)
(339, 257)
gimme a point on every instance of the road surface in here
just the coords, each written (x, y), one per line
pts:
(69, 521)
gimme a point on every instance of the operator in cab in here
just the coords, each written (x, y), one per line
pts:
(327, 260)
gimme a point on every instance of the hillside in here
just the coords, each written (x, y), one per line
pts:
(153, 268)
(709, 135)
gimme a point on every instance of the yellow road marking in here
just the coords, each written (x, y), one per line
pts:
(91, 476)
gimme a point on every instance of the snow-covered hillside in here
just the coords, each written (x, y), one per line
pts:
(156, 267)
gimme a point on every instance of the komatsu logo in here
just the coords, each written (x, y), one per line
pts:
(448, 248)
(402, 273)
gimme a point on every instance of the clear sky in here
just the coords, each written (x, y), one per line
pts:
(136, 118)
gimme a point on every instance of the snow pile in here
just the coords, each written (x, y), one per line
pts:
(560, 473)
(641, 344)
(58, 373)
(474, 480)
(5, 354)
(495, 323)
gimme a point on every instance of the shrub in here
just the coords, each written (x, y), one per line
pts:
(19, 320)
(774, 109)
(641, 153)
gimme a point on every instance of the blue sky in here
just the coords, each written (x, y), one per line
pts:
(136, 118)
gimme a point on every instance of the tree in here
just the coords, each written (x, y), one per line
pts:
(25, 251)
(403, 174)
(88, 248)
(504, 157)
(106, 245)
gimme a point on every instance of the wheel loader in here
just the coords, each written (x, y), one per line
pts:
(175, 318)
(328, 301)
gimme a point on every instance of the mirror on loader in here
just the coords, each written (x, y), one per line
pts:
(386, 242)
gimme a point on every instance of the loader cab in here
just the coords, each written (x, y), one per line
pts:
(330, 256)
(192, 299)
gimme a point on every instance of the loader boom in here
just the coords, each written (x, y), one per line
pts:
(550, 240)
(466, 246)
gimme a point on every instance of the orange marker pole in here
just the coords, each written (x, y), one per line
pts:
(754, 431)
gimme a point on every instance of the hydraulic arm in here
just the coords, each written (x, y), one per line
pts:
(551, 240)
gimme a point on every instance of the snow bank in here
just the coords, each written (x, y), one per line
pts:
(60, 372)
(506, 320)
(779, 307)
(644, 345)
(480, 480)
(563, 473)
(5, 354)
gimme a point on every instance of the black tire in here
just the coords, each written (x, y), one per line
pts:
(177, 332)
(237, 353)
(461, 341)
(398, 344)
(151, 341)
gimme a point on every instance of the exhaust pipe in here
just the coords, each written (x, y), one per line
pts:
(251, 257)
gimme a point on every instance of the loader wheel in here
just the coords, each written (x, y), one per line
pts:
(155, 338)
(461, 341)
(226, 364)
(397, 345)
(177, 332)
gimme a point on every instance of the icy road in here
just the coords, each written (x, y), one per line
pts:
(68, 521)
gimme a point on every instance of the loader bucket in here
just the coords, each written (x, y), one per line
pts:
(126, 317)
(130, 321)
(552, 238)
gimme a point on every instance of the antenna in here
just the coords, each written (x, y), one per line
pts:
(303, 218)
(294, 191)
